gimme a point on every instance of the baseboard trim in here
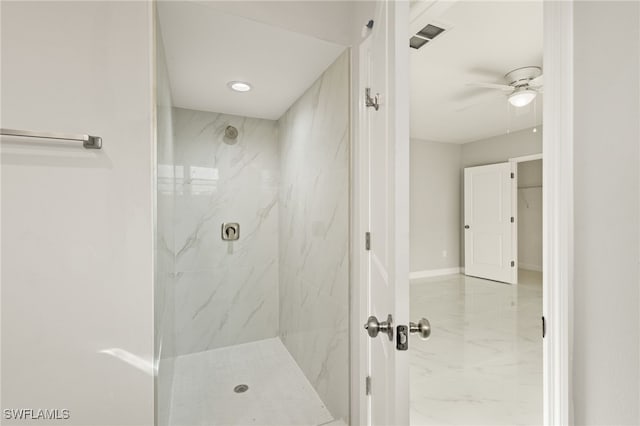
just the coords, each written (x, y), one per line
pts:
(530, 267)
(433, 273)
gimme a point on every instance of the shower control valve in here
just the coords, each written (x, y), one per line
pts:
(230, 231)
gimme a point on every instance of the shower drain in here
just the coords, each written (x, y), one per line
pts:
(241, 388)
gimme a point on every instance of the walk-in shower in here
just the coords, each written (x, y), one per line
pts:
(252, 227)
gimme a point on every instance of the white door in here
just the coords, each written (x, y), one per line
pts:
(489, 229)
(385, 177)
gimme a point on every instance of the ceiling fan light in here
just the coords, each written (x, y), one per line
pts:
(522, 97)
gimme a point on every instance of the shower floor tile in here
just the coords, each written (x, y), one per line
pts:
(278, 394)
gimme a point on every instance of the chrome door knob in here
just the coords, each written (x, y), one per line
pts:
(373, 326)
(423, 328)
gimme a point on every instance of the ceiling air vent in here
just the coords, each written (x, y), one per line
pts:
(425, 35)
(417, 42)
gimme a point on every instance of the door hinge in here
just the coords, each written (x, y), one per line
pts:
(513, 175)
(544, 327)
(512, 219)
(367, 240)
(513, 263)
(367, 385)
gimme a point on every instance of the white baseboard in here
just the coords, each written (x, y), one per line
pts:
(433, 273)
(530, 267)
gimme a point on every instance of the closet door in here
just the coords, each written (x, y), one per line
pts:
(488, 226)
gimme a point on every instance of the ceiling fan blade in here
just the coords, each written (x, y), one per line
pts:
(486, 73)
(537, 82)
(502, 87)
(484, 101)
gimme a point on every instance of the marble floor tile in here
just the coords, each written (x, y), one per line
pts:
(278, 394)
(483, 363)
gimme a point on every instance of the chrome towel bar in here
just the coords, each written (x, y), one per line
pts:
(88, 141)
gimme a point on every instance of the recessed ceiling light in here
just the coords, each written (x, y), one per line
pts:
(239, 86)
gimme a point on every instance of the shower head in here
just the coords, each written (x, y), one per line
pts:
(231, 132)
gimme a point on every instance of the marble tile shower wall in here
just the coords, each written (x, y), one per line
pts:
(164, 349)
(314, 234)
(226, 293)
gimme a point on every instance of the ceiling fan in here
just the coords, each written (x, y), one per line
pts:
(523, 85)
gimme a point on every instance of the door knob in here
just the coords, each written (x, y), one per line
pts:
(467, 227)
(373, 326)
(423, 328)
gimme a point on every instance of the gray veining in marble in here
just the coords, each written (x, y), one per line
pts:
(483, 362)
(164, 337)
(314, 234)
(226, 293)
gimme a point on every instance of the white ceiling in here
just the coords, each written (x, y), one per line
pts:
(206, 48)
(328, 20)
(486, 40)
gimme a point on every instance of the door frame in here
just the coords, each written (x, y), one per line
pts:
(557, 211)
(514, 205)
(557, 221)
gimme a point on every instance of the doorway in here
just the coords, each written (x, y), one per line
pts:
(476, 98)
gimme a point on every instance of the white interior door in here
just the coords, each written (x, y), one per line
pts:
(488, 225)
(385, 171)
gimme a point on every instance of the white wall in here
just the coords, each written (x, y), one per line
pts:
(606, 356)
(314, 235)
(77, 225)
(500, 148)
(435, 205)
(530, 215)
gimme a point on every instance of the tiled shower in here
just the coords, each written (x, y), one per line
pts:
(253, 331)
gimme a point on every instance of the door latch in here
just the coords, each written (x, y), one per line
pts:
(402, 338)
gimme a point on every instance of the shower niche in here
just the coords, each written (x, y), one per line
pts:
(252, 222)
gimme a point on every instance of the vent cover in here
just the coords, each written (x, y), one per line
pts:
(425, 35)
(417, 42)
(430, 31)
